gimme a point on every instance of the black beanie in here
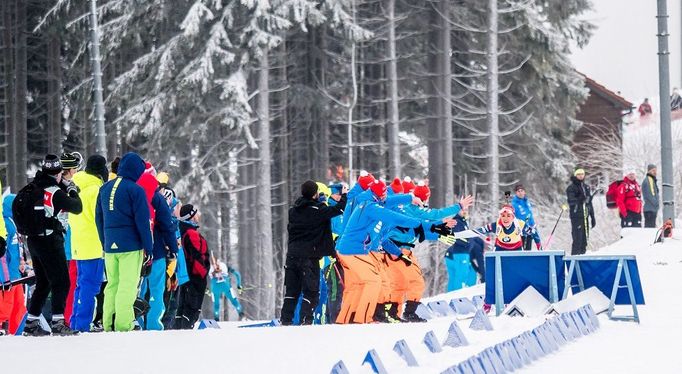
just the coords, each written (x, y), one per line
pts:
(52, 165)
(187, 212)
(70, 160)
(97, 165)
(308, 189)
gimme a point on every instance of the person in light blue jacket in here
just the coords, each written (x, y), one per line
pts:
(222, 285)
(524, 212)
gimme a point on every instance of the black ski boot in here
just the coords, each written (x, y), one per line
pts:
(33, 328)
(410, 314)
(60, 328)
(392, 312)
(380, 314)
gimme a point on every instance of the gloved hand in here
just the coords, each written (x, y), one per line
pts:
(3, 246)
(146, 265)
(447, 239)
(405, 259)
(441, 229)
(419, 233)
(71, 187)
(240, 289)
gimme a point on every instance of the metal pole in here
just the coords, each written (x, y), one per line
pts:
(100, 134)
(664, 93)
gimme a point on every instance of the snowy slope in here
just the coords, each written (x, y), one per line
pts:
(620, 347)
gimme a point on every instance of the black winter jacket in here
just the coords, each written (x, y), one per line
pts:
(310, 228)
(579, 197)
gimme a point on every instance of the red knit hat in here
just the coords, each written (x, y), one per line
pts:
(508, 209)
(379, 189)
(397, 186)
(408, 186)
(365, 179)
(422, 191)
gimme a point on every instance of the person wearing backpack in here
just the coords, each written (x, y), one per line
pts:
(629, 201)
(650, 196)
(198, 257)
(580, 209)
(40, 211)
(122, 218)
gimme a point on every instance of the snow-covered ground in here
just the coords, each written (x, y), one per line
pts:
(618, 347)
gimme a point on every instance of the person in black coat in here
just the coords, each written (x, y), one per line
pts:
(580, 208)
(310, 239)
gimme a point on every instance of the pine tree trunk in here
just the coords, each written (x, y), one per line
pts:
(492, 108)
(54, 95)
(394, 166)
(8, 94)
(434, 109)
(264, 201)
(446, 99)
(20, 119)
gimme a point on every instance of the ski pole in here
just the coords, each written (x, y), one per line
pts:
(564, 207)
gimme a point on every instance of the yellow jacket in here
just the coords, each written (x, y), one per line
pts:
(85, 244)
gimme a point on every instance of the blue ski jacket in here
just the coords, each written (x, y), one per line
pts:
(164, 229)
(371, 222)
(524, 212)
(122, 214)
(9, 263)
(428, 217)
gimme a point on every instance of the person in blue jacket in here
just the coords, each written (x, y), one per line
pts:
(221, 285)
(180, 276)
(524, 212)
(164, 258)
(123, 223)
(460, 272)
(12, 308)
(368, 227)
(407, 280)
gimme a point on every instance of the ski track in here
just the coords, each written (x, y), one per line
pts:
(617, 347)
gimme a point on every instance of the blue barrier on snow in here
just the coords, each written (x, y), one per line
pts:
(455, 337)
(463, 306)
(508, 274)
(208, 324)
(424, 311)
(441, 308)
(372, 358)
(615, 276)
(339, 368)
(481, 322)
(272, 323)
(404, 351)
(432, 343)
(478, 301)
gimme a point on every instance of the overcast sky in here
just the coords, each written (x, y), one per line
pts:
(622, 52)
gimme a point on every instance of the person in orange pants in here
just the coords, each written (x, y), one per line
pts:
(362, 287)
(12, 308)
(363, 235)
(407, 281)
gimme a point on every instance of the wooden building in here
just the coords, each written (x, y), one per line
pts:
(602, 122)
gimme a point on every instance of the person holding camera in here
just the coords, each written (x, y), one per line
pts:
(60, 197)
(310, 239)
(629, 201)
